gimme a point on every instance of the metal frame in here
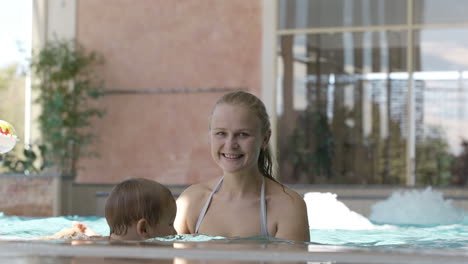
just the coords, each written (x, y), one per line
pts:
(269, 69)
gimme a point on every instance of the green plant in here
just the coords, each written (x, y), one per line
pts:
(67, 86)
(433, 158)
(31, 160)
(312, 146)
(459, 166)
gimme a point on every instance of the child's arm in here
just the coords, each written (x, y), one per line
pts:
(66, 232)
(84, 229)
(78, 230)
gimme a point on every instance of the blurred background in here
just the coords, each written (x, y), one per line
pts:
(360, 92)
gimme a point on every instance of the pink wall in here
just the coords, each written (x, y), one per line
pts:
(166, 45)
(25, 195)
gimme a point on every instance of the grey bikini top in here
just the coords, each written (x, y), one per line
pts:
(262, 207)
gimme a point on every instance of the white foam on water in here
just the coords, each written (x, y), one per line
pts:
(416, 207)
(326, 212)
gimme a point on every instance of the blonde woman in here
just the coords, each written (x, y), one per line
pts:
(246, 200)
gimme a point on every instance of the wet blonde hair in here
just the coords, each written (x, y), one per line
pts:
(266, 160)
(134, 199)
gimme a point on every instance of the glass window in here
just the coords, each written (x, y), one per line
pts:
(342, 97)
(342, 113)
(15, 48)
(441, 67)
(441, 49)
(440, 12)
(12, 93)
(297, 14)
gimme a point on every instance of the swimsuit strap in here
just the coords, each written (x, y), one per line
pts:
(262, 207)
(207, 204)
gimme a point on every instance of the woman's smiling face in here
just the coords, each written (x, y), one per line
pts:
(236, 138)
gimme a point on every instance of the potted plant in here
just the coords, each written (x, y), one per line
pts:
(67, 85)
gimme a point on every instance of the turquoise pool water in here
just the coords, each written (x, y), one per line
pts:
(382, 235)
(404, 220)
(451, 236)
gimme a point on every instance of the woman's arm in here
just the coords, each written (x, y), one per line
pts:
(189, 205)
(180, 222)
(293, 223)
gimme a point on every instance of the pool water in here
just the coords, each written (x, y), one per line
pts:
(394, 230)
(410, 236)
(452, 236)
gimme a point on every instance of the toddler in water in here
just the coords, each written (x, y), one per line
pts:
(136, 209)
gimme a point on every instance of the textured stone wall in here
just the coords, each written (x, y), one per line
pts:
(166, 62)
(26, 196)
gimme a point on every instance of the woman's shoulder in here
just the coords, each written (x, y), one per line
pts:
(288, 212)
(285, 204)
(281, 193)
(199, 190)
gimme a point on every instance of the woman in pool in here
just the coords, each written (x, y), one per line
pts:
(246, 201)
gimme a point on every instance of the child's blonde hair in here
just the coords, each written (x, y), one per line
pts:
(134, 199)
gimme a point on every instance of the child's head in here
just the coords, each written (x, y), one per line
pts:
(140, 209)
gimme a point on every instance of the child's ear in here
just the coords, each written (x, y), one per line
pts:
(142, 228)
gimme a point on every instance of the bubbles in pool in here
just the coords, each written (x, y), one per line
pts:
(326, 212)
(411, 220)
(415, 207)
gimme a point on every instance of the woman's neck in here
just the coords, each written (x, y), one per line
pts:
(242, 184)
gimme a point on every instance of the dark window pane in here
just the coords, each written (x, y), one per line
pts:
(342, 107)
